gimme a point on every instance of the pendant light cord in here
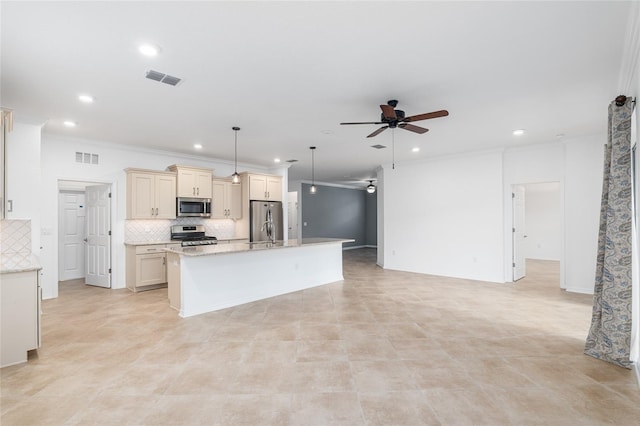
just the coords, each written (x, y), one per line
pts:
(236, 153)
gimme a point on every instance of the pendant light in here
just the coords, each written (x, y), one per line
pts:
(235, 179)
(371, 188)
(313, 188)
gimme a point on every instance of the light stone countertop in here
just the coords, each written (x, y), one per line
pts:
(247, 247)
(18, 262)
(153, 243)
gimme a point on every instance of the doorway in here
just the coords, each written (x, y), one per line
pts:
(537, 224)
(84, 232)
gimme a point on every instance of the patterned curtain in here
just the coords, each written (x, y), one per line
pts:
(609, 338)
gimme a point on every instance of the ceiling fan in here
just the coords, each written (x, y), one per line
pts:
(393, 118)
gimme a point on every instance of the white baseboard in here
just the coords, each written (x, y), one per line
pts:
(579, 290)
(358, 247)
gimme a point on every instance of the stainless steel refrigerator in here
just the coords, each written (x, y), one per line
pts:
(266, 221)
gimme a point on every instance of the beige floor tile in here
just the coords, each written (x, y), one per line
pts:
(397, 408)
(380, 347)
(323, 409)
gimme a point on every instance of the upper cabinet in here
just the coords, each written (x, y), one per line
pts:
(150, 194)
(226, 200)
(265, 187)
(193, 182)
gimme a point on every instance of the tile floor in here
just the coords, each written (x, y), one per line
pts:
(381, 348)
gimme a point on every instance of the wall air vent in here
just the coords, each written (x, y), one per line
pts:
(292, 161)
(163, 78)
(378, 146)
(87, 158)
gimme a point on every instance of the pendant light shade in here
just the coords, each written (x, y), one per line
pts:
(235, 178)
(371, 188)
(313, 188)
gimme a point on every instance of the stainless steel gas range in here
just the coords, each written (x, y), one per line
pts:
(191, 235)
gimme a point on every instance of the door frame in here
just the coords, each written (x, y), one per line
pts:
(72, 184)
(508, 253)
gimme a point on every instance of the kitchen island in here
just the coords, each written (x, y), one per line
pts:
(208, 278)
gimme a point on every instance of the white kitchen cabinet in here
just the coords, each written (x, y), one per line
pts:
(226, 200)
(193, 182)
(20, 297)
(150, 195)
(265, 187)
(147, 266)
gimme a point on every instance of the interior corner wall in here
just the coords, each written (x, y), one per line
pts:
(334, 212)
(445, 217)
(23, 182)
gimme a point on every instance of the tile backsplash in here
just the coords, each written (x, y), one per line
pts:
(160, 230)
(15, 244)
(15, 237)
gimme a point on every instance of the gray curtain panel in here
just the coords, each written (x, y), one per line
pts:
(609, 338)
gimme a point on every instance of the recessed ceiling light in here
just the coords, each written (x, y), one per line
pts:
(416, 149)
(276, 160)
(197, 146)
(70, 123)
(518, 132)
(149, 49)
(560, 135)
(87, 99)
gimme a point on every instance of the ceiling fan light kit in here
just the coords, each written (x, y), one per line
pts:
(371, 188)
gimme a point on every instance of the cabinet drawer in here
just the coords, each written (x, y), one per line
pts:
(154, 248)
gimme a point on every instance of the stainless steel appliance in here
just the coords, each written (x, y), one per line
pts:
(266, 221)
(193, 207)
(191, 235)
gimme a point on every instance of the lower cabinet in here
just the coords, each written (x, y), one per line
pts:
(147, 266)
(20, 296)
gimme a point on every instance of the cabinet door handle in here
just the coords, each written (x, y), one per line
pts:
(156, 211)
(151, 211)
(194, 190)
(198, 191)
(164, 260)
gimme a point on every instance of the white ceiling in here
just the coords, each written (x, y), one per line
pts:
(288, 73)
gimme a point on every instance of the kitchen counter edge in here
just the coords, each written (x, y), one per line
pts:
(251, 247)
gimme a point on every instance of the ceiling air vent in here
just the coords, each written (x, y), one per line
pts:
(378, 146)
(163, 78)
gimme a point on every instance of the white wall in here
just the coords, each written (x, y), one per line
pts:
(58, 163)
(23, 178)
(543, 221)
(452, 216)
(582, 194)
(445, 217)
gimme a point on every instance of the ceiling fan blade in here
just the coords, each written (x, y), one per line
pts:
(434, 114)
(388, 112)
(366, 122)
(377, 132)
(412, 128)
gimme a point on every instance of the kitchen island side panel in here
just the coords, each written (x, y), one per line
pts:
(209, 283)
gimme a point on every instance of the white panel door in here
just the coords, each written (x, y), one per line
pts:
(98, 238)
(519, 262)
(71, 235)
(292, 209)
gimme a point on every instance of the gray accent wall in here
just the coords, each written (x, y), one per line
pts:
(335, 212)
(371, 231)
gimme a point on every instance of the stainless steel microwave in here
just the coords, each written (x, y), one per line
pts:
(193, 207)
